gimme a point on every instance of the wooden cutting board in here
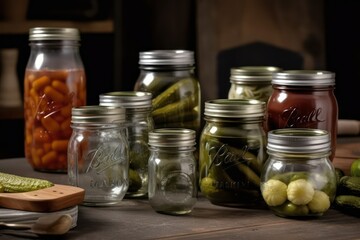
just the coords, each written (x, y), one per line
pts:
(345, 154)
(49, 199)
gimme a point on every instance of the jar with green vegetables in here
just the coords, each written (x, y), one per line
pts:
(251, 82)
(298, 179)
(232, 152)
(138, 123)
(169, 76)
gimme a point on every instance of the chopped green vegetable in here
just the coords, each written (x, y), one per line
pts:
(300, 192)
(274, 192)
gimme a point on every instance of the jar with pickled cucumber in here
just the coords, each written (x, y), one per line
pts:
(251, 82)
(232, 152)
(169, 75)
(54, 83)
(298, 179)
(139, 123)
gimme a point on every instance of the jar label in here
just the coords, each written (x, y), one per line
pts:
(295, 117)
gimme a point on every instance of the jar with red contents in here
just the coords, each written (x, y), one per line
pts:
(303, 99)
(54, 83)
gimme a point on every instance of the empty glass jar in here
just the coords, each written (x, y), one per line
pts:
(172, 170)
(98, 154)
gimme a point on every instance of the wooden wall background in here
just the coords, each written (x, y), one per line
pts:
(287, 34)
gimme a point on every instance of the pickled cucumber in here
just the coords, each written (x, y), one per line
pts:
(135, 182)
(173, 93)
(13, 183)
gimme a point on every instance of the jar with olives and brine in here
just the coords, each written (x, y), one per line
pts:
(169, 76)
(298, 179)
(251, 82)
(232, 152)
(303, 99)
(54, 83)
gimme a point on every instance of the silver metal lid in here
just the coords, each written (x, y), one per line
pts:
(126, 99)
(97, 114)
(172, 137)
(256, 74)
(167, 57)
(299, 140)
(234, 108)
(54, 33)
(304, 78)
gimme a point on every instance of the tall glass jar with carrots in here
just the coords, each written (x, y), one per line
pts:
(54, 83)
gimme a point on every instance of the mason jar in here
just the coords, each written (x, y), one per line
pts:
(139, 123)
(232, 152)
(54, 83)
(98, 154)
(303, 99)
(169, 76)
(172, 170)
(251, 82)
(298, 178)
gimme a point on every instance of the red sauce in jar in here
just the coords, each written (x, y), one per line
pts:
(303, 99)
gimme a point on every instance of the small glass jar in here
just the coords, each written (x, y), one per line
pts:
(98, 154)
(54, 82)
(232, 152)
(251, 82)
(298, 179)
(169, 76)
(172, 171)
(139, 123)
(303, 99)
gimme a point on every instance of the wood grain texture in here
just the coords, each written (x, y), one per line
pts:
(50, 199)
(295, 26)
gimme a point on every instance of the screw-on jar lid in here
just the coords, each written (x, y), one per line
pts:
(253, 74)
(97, 114)
(235, 108)
(166, 57)
(299, 140)
(304, 78)
(53, 33)
(172, 137)
(126, 99)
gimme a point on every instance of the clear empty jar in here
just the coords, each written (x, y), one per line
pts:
(172, 170)
(139, 122)
(298, 179)
(98, 155)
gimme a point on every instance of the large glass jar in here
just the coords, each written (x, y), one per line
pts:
(54, 83)
(251, 82)
(303, 99)
(298, 179)
(172, 170)
(169, 76)
(232, 152)
(139, 123)
(98, 154)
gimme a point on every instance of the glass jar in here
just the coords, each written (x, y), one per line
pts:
(139, 122)
(98, 154)
(169, 76)
(172, 170)
(303, 99)
(54, 82)
(251, 82)
(232, 152)
(298, 179)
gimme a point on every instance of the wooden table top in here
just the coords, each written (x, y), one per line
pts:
(135, 219)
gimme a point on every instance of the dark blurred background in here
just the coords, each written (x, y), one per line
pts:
(111, 56)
